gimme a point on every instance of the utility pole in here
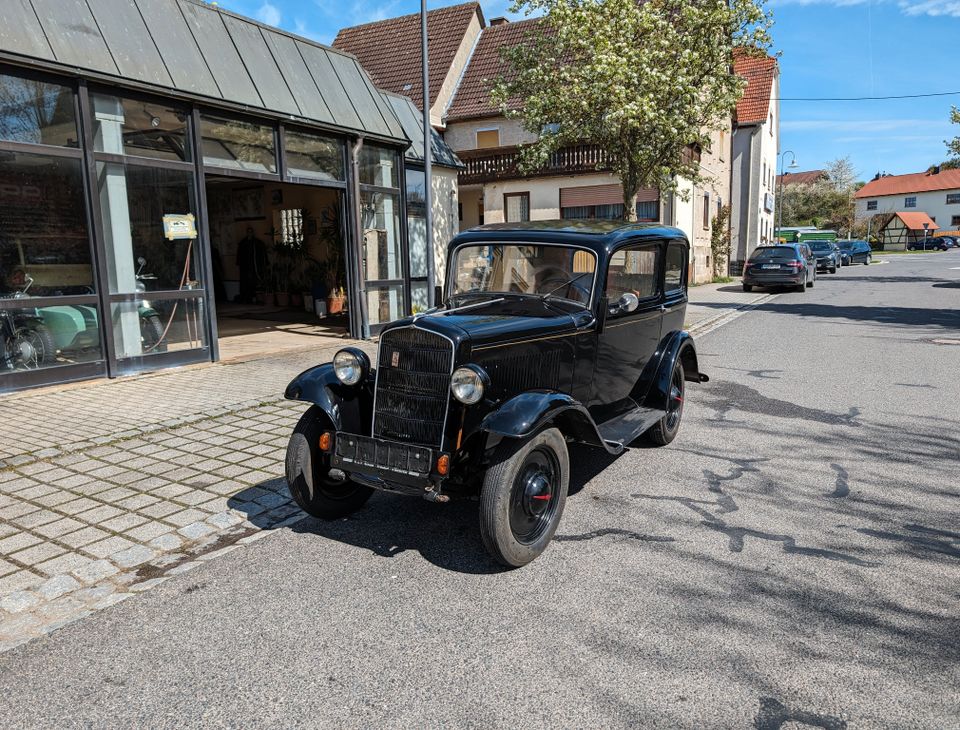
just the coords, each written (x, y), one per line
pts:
(427, 158)
(778, 203)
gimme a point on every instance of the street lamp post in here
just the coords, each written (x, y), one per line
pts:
(925, 227)
(779, 202)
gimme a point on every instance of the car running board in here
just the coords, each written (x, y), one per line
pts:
(614, 447)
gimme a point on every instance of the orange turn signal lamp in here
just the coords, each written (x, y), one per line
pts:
(326, 441)
(443, 465)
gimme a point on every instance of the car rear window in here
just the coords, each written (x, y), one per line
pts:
(778, 253)
(821, 246)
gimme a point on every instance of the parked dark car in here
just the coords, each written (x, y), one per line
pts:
(791, 264)
(927, 244)
(551, 333)
(827, 255)
(855, 252)
(949, 241)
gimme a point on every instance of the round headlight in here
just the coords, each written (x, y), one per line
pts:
(467, 385)
(348, 366)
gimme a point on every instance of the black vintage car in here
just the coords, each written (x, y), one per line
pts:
(550, 333)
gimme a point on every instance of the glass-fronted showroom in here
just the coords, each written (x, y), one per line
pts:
(129, 213)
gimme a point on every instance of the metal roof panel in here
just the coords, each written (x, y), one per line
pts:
(262, 68)
(221, 55)
(338, 101)
(349, 72)
(288, 58)
(21, 32)
(129, 41)
(179, 50)
(73, 34)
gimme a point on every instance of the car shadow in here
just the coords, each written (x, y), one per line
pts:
(446, 535)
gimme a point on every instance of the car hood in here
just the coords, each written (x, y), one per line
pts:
(495, 322)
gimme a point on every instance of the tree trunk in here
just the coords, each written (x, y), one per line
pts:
(630, 204)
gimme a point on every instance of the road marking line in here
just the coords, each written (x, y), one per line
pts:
(718, 322)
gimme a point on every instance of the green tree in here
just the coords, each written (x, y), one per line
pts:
(720, 242)
(826, 203)
(646, 81)
(953, 145)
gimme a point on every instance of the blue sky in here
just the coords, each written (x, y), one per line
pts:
(830, 48)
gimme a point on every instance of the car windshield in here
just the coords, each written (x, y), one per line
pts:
(846, 245)
(821, 246)
(537, 269)
(775, 253)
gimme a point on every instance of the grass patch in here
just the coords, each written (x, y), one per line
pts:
(722, 279)
(901, 253)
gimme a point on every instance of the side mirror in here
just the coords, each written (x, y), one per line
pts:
(628, 302)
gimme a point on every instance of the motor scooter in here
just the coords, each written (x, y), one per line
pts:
(26, 343)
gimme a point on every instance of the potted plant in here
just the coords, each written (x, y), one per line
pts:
(336, 300)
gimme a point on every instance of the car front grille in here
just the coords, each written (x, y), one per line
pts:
(413, 386)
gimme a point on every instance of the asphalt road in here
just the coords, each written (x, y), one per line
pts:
(792, 559)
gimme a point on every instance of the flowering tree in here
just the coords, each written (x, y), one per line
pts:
(953, 145)
(645, 80)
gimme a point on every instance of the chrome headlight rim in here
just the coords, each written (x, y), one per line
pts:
(351, 365)
(469, 384)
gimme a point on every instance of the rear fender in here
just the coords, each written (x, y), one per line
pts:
(349, 407)
(525, 414)
(679, 346)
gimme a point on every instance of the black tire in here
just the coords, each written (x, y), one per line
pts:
(833, 269)
(866, 261)
(41, 339)
(801, 288)
(747, 288)
(523, 495)
(151, 334)
(307, 467)
(811, 283)
(666, 429)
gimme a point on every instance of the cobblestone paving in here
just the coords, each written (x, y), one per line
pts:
(109, 489)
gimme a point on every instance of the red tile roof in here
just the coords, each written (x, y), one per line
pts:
(759, 71)
(806, 177)
(389, 50)
(915, 221)
(918, 182)
(486, 66)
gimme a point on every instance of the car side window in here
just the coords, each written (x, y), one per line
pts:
(673, 275)
(633, 270)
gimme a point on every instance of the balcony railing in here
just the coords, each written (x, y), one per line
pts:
(500, 163)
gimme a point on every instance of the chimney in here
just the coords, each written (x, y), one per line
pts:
(936, 169)
(499, 20)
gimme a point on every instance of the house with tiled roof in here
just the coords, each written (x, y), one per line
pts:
(935, 193)
(805, 177)
(389, 51)
(756, 144)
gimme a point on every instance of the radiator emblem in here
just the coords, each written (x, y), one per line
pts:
(395, 359)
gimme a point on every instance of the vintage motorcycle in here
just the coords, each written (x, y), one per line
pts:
(26, 343)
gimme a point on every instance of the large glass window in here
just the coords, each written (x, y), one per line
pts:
(146, 129)
(313, 156)
(238, 145)
(417, 222)
(384, 303)
(381, 236)
(676, 259)
(162, 326)
(37, 112)
(43, 226)
(517, 207)
(133, 201)
(379, 166)
(33, 338)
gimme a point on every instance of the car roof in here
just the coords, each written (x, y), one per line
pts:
(599, 235)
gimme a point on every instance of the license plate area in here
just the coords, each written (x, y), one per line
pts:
(381, 454)
(771, 266)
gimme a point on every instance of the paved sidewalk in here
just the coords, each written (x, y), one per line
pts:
(107, 489)
(711, 303)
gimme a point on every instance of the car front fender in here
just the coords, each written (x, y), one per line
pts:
(525, 414)
(680, 347)
(349, 407)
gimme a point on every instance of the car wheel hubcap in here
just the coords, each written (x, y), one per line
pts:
(533, 497)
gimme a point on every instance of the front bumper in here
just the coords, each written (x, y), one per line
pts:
(387, 465)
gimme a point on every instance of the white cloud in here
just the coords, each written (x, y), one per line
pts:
(269, 14)
(908, 7)
(932, 7)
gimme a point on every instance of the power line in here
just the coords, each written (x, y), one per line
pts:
(866, 98)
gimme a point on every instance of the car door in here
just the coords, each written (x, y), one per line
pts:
(631, 332)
